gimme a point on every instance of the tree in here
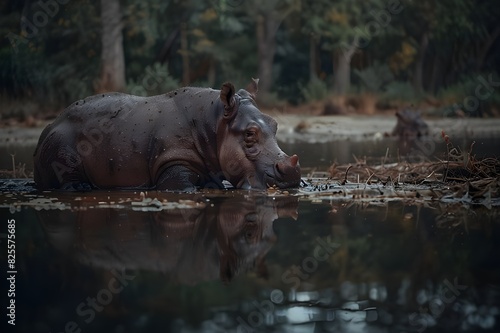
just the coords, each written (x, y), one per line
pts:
(345, 27)
(268, 16)
(51, 54)
(452, 39)
(112, 76)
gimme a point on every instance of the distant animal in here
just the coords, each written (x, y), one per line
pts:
(410, 125)
(181, 140)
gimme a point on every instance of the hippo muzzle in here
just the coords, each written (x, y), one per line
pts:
(286, 173)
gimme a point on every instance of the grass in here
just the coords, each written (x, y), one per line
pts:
(17, 171)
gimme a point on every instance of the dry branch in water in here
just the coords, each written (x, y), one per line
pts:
(461, 171)
(18, 171)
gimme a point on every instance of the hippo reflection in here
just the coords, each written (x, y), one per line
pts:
(189, 245)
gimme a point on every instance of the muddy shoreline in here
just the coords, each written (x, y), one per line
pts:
(295, 128)
(311, 129)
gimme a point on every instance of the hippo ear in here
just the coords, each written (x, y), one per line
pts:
(227, 98)
(253, 87)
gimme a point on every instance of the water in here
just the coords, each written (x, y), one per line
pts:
(321, 155)
(236, 261)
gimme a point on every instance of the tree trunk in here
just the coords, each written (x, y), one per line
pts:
(268, 16)
(436, 75)
(164, 54)
(266, 44)
(313, 58)
(342, 67)
(418, 76)
(486, 47)
(112, 77)
(185, 55)
(211, 72)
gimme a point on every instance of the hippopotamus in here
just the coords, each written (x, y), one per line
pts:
(182, 140)
(410, 125)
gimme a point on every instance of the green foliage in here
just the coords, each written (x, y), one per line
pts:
(374, 78)
(458, 91)
(156, 80)
(401, 92)
(272, 99)
(314, 90)
(54, 63)
(340, 22)
(60, 62)
(466, 89)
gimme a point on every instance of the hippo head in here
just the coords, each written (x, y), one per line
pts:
(249, 155)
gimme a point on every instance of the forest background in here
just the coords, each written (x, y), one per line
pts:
(357, 56)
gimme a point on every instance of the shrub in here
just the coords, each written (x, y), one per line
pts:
(397, 91)
(155, 80)
(374, 78)
(463, 91)
(314, 90)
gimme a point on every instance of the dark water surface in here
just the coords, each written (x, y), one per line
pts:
(321, 155)
(238, 261)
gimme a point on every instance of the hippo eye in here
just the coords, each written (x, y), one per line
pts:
(251, 135)
(251, 217)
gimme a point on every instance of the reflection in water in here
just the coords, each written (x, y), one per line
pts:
(321, 155)
(342, 266)
(217, 240)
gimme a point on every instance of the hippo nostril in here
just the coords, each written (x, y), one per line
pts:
(281, 168)
(286, 167)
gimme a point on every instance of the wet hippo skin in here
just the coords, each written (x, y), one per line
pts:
(187, 138)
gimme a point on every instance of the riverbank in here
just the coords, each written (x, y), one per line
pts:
(311, 129)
